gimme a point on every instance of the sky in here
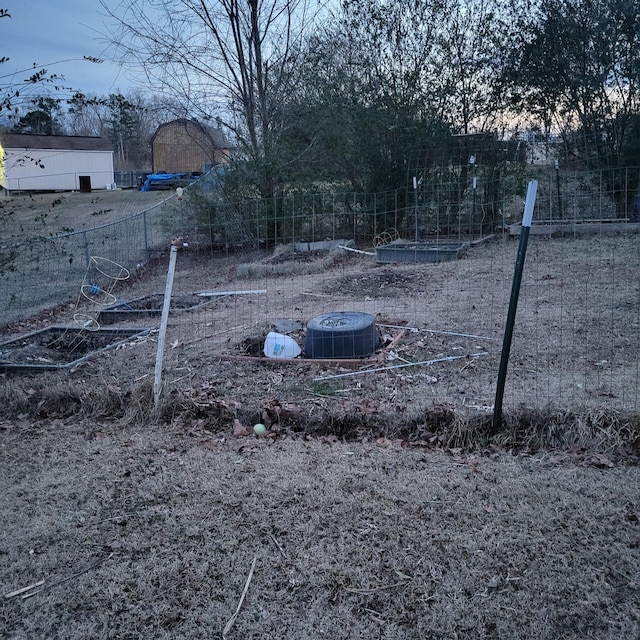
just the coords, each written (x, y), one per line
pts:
(62, 32)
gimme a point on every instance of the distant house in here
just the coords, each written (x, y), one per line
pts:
(55, 163)
(185, 145)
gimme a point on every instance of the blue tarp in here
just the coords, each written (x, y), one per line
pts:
(167, 181)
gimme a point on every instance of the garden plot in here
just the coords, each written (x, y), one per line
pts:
(150, 306)
(297, 259)
(400, 251)
(575, 341)
(61, 347)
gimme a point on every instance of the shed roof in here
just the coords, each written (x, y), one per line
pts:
(216, 136)
(66, 143)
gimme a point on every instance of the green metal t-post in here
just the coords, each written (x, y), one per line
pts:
(513, 303)
(415, 207)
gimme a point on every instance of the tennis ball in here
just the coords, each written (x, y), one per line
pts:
(259, 429)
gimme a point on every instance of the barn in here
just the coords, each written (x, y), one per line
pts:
(187, 146)
(55, 163)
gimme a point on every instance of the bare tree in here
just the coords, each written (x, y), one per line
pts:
(20, 90)
(228, 59)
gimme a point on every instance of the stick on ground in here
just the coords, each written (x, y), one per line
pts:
(17, 592)
(63, 580)
(232, 619)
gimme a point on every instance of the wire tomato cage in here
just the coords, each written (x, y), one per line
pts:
(100, 279)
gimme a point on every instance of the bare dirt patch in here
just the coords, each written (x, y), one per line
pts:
(384, 281)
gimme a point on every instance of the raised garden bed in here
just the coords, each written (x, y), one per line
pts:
(419, 252)
(60, 347)
(150, 306)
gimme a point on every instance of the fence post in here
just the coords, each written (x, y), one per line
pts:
(558, 190)
(474, 187)
(86, 248)
(415, 207)
(333, 215)
(513, 304)
(355, 224)
(258, 225)
(146, 242)
(626, 193)
(395, 209)
(293, 216)
(157, 379)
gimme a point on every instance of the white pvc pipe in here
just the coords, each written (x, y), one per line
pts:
(212, 294)
(157, 380)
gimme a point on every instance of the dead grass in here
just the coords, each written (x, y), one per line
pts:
(611, 434)
(151, 532)
(47, 214)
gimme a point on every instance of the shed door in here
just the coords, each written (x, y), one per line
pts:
(85, 184)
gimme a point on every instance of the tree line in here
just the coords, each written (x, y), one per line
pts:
(128, 121)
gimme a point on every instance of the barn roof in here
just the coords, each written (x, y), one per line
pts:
(66, 143)
(216, 136)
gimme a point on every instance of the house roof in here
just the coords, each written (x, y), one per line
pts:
(216, 136)
(66, 143)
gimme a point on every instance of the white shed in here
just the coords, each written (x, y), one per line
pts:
(55, 163)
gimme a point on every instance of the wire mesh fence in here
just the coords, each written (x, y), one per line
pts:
(45, 271)
(261, 266)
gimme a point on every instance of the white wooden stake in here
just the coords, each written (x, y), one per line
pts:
(157, 381)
